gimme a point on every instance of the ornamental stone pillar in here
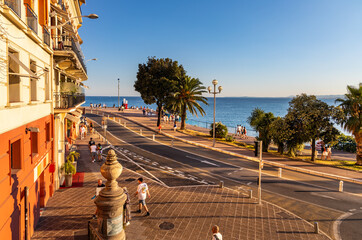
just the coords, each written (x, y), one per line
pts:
(110, 201)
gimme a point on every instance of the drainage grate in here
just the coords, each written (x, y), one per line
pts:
(130, 179)
(166, 226)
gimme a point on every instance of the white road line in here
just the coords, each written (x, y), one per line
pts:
(322, 195)
(204, 161)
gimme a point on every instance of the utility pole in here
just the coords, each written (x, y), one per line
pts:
(260, 167)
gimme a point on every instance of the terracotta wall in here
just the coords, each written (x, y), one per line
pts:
(34, 174)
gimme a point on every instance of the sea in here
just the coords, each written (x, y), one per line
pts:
(231, 111)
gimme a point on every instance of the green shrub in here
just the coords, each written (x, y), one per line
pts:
(68, 168)
(345, 143)
(229, 138)
(221, 131)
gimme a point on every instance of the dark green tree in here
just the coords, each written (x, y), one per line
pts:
(351, 119)
(280, 133)
(221, 131)
(310, 119)
(261, 122)
(157, 81)
(187, 96)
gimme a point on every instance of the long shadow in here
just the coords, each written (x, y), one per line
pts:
(15, 216)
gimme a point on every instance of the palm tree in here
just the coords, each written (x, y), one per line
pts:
(351, 120)
(187, 98)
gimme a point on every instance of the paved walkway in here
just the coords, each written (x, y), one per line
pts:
(150, 122)
(189, 210)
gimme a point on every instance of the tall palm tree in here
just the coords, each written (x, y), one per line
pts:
(351, 121)
(187, 98)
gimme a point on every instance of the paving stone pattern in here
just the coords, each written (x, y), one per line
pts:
(191, 210)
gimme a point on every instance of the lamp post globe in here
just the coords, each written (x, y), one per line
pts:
(214, 82)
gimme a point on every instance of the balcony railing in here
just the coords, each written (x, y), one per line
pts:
(31, 18)
(46, 36)
(66, 100)
(69, 44)
(15, 5)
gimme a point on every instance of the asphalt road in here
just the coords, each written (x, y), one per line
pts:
(312, 198)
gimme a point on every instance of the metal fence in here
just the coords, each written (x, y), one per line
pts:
(46, 36)
(68, 100)
(31, 18)
(15, 5)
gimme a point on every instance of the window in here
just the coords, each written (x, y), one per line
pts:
(14, 78)
(33, 82)
(47, 132)
(34, 143)
(47, 84)
(15, 154)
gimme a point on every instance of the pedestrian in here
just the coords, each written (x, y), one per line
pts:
(90, 143)
(159, 128)
(99, 152)
(91, 127)
(99, 187)
(93, 149)
(142, 192)
(324, 153)
(174, 127)
(216, 235)
(126, 209)
(82, 132)
(329, 153)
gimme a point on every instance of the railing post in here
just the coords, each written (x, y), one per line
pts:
(153, 137)
(279, 172)
(340, 186)
(140, 131)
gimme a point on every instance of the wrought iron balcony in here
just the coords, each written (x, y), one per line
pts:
(67, 43)
(66, 100)
(46, 36)
(31, 18)
(15, 5)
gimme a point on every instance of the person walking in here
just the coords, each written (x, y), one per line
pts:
(90, 143)
(93, 149)
(142, 192)
(99, 151)
(82, 132)
(329, 153)
(216, 235)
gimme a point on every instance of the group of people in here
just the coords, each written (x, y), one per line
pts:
(146, 111)
(84, 126)
(241, 131)
(325, 150)
(98, 105)
(95, 150)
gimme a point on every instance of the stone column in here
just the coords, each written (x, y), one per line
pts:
(110, 201)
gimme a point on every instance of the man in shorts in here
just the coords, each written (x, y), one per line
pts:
(93, 149)
(91, 142)
(142, 192)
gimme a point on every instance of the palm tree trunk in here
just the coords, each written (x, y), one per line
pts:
(183, 118)
(313, 150)
(358, 150)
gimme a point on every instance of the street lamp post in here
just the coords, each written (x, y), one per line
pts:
(93, 59)
(214, 82)
(118, 94)
(90, 16)
(261, 164)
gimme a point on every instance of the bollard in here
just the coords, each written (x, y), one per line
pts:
(119, 121)
(341, 186)
(91, 111)
(316, 227)
(124, 124)
(221, 184)
(140, 131)
(280, 172)
(250, 193)
(114, 118)
(108, 116)
(172, 143)
(153, 137)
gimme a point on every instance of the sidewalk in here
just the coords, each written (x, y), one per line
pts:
(150, 122)
(188, 211)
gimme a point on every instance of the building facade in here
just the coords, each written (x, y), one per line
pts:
(40, 91)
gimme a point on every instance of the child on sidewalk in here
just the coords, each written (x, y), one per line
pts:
(142, 190)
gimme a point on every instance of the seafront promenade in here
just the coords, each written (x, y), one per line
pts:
(167, 129)
(177, 212)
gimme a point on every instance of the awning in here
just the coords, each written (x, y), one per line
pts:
(72, 118)
(15, 59)
(77, 113)
(59, 11)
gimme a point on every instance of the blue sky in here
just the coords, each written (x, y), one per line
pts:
(258, 48)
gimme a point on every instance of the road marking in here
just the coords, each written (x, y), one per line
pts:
(321, 195)
(249, 183)
(352, 210)
(204, 161)
(337, 225)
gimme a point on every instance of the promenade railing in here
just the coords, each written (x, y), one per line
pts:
(207, 125)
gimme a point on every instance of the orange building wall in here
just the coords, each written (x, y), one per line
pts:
(12, 202)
